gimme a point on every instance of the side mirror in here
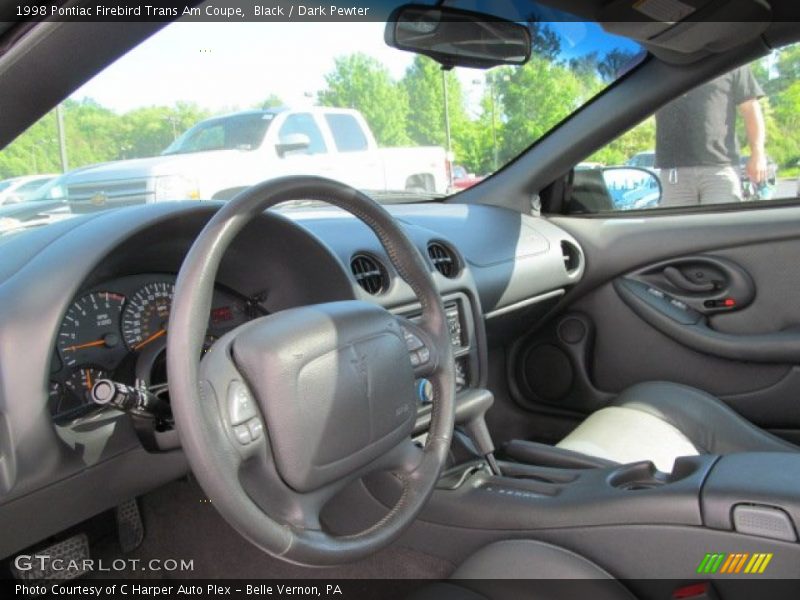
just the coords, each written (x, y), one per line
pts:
(632, 188)
(292, 143)
(13, 199)
(458, 38)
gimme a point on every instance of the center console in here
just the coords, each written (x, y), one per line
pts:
(633, 519)
(467, 351)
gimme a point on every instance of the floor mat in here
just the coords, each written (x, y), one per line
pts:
(180, 523)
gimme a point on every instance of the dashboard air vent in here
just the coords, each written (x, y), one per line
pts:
(572, 256)
(444, 259)
(369, 273)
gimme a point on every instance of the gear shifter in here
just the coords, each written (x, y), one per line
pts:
(471, 419)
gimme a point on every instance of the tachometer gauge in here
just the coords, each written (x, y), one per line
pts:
(80, 383)
(55, 396)
(146, 315)
(90, 330)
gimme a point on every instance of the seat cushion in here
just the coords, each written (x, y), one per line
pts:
(625, 435)
(526, 569)
(661, 421)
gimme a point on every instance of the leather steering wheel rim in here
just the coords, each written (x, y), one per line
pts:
(218, 464)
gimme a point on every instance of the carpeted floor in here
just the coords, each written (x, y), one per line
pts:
(181, 524)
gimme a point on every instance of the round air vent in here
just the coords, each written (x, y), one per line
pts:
(444, 259)
(370, 274)
(571, 256)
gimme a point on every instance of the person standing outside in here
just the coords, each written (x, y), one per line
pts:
(697, 151)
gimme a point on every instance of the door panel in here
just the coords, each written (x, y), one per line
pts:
(752, 364)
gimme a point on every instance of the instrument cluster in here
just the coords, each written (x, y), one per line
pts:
(118, 331)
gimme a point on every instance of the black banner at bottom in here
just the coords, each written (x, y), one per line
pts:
(390, 589)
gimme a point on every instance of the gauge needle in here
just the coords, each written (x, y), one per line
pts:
(155, 336)
(86, 345)
(88, 379)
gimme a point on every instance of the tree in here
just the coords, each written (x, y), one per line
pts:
(424, 82)
(614, 64)
(545, 42)
(534, 98)
(639, 139)
(271, 101)
(361, 82)
(149, 130)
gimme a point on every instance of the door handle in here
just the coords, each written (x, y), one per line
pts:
(680, 281)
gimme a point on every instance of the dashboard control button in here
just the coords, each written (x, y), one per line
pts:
(242, 434)
(424, 355)
(412, 340)
(241, 407)
(415, 360)
(256, 429)
(678, 304)
(424, 391)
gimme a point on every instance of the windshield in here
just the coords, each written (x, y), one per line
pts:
(295, 98)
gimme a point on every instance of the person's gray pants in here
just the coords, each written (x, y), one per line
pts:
(700, 185)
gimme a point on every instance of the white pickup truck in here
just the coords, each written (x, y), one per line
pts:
(220, 156)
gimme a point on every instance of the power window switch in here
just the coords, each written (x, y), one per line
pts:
(256, 428)
(242, 434)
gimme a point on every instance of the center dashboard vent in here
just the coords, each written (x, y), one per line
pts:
(370, 274)
(443, 259)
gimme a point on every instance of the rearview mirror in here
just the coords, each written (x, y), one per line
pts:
(292, 143)
(632, 188)
(458, 38)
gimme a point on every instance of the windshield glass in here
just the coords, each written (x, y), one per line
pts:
(236, 132)
(293, 98)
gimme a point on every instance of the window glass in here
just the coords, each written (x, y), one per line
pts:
(303, 123)
(174, 117)
(733, 139)
(347, 134)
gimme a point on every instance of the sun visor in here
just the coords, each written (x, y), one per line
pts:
(671, 28)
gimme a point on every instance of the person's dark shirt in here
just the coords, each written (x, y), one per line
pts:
(699, 128)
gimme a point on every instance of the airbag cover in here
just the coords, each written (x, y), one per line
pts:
(335, 384)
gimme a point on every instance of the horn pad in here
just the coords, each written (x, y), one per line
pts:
(335, 384)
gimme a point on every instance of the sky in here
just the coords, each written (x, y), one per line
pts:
(228, 66)
(223, 65)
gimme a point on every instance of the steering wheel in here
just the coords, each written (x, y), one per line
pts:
(286, 410)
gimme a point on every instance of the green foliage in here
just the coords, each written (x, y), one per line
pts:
(424, 83)
(639, 139)
(361, 82)
(534, 98)
(271, 101)
(96, 134)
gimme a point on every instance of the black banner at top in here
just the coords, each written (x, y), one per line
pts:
(381, 10)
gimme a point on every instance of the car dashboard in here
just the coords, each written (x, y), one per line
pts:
(89, 298)
(117, 330)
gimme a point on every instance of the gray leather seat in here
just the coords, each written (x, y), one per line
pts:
(661, 421)
(526, 569)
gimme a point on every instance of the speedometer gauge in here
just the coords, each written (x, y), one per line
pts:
(90, 330)
(146, 316)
